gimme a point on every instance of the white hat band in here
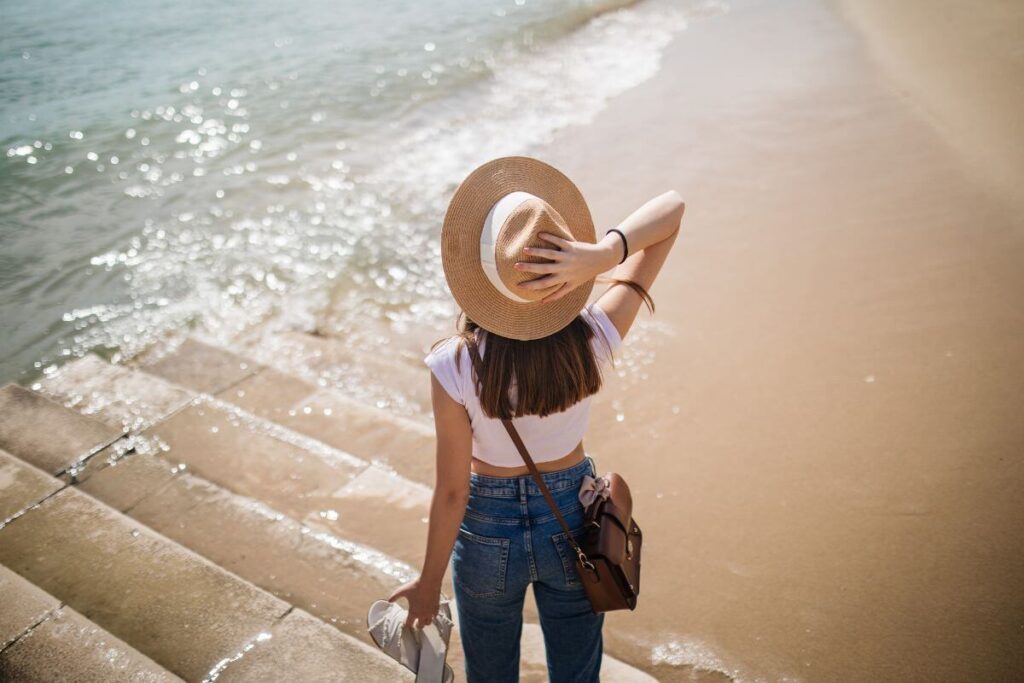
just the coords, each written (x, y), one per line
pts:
(495, 220)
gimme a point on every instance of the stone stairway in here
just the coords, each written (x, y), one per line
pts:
(269, 512)
(44, 640)
(160, 606)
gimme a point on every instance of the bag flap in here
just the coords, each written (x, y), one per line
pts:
(620, 501)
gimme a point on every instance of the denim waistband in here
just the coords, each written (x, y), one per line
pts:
(511, 487)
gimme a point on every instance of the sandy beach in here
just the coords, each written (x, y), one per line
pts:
(822, 421)
(822, 424)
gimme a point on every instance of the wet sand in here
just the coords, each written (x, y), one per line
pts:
(822, 422)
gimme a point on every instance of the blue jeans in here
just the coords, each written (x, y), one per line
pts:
(508, 540)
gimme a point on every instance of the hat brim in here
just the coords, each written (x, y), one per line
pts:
(460, 247)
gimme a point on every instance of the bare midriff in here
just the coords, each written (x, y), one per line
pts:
(489, 470)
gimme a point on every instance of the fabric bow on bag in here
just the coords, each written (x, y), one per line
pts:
(592, 489)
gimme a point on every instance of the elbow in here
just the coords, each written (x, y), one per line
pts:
(675, 202)
(674, 207)
(454, 497)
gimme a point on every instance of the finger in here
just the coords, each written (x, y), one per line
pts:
(553, 254)
(533, 267)
(560, 241)
(399, 592)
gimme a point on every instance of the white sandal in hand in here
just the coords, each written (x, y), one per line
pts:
(422, 651)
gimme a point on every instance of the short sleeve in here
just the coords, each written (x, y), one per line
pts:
(441, 361)
(600, 321)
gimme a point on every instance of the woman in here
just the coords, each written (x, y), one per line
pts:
(520, 256)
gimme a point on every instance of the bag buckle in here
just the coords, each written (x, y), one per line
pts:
(584, 560)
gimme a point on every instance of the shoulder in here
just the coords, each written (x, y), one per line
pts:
(606, 336)
(446, 350)
(442, 353)
(442, 346)
(441, 359)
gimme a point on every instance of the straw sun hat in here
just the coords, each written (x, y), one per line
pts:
(499, 209)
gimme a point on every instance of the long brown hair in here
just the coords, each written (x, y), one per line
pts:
(551, 374)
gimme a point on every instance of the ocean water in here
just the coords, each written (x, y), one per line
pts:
(215, 166)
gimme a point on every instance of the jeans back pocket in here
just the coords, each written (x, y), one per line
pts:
(568, 555)
(479, 563)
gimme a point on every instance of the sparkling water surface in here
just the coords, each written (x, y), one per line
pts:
(214, 166)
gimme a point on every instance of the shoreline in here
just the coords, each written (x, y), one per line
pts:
(818, 423)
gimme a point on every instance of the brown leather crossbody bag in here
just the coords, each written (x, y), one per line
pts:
(608, 552)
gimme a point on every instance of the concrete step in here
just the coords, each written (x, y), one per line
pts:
(303, 648)
(43, 640)
(326, 414)
(22, 487)
(301, 477)
(113, 394)
(189, 615)
(44, 433)
(390, 375)
(309, 568)
(24, 606)
(131, 400)
(307, 480)
(199, 367)
(407, 446)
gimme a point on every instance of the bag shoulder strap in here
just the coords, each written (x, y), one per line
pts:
(534, 472)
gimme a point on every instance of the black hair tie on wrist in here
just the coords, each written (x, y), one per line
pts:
(625, 244)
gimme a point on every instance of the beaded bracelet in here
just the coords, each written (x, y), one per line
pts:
(625, 244)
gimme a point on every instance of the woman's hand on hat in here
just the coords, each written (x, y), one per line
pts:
(571, 264)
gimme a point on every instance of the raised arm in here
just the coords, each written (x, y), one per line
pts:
(650, 231)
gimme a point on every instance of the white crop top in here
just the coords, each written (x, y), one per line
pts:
(547, 438)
